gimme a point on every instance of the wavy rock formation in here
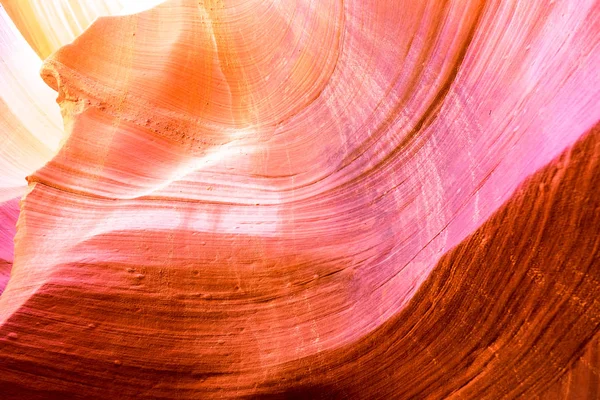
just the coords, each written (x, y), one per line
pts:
(300, 199)
(30, 124)
(48, 25)
(30, 130)
(9, 211)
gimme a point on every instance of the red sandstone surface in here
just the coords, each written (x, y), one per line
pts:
(300, 199)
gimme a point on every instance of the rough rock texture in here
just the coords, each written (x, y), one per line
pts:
(581, 380)
(358, 199)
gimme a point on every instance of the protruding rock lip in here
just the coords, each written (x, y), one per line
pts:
(200, 129)
(256, 100)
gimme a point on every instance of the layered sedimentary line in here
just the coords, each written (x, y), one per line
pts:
(502, 315)
(9, 212)
(582, 379)
(30, 130)
(259, 207)
(506, 314)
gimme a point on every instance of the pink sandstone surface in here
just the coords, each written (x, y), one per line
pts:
(301, 199)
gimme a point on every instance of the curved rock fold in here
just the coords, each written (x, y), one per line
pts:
(336, 199)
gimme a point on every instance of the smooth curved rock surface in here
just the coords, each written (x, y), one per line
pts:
(49, 24)
(356, 199)
(30, 123)
(9, 212)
